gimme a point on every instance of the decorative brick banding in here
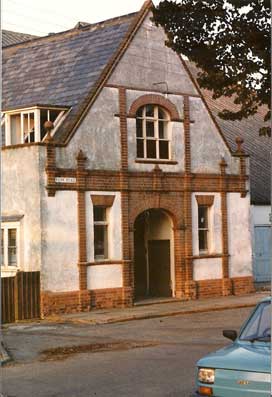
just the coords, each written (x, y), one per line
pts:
(153, 99)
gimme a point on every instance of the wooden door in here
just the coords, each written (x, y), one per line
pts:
(159, 268)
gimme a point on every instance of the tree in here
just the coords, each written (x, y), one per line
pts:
(229, 41)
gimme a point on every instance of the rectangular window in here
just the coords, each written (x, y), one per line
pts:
(2, 247)
(203, 228)
(27, 126)
(10, 245)
(100, 232)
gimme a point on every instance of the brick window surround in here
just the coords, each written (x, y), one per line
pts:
(153, 99)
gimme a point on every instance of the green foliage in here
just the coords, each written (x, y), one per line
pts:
(229, 40)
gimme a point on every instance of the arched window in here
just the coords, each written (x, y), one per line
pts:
(152, 133)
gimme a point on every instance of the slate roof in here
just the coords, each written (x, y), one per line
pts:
(64, 69)
(11, 38)
(61, 69)
(258, 147)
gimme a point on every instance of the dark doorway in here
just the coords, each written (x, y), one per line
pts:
(152, 255)
(159, 267)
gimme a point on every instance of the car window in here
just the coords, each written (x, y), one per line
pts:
(259, 325)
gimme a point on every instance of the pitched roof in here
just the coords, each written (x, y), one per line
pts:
(11, 38)
(64, 69)
(258, 147)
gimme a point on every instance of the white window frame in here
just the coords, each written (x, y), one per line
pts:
(155, 119)
(208, 229)
(105, 224)
(37, 127)
(5, 226)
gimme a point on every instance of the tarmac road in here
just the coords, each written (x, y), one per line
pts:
(154, 357)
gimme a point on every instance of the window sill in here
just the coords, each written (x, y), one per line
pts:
(206, 255)
(98, 262)
(9, 271)
(155, 161)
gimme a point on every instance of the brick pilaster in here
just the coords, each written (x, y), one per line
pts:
(81, 206)
(50, 166)
(190, 285)
(226, 282)
(127, 265)
(187, 138)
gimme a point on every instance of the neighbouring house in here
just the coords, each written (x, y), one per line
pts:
(11, 38)
(117, 182)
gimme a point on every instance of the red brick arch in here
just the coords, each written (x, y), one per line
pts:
(153, 99)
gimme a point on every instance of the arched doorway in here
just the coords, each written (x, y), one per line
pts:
(153, 255)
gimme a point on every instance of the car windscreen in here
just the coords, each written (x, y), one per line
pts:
(258, 327)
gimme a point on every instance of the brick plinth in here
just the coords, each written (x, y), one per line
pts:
(64, 302)
(226, 286)
(242, 285)
(53, 303)
(223, 287)
(191, 289)
(209, 288)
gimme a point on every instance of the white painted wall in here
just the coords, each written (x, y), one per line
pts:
(98, 136)
(114, 229)
(60, 242)
(104, 276)
(240, 261)
(207, 145)
(20, 195)
(147, 61)
(207, 269)
(215, 239)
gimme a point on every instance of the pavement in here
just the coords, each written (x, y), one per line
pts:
(148, 309)
(160, 308)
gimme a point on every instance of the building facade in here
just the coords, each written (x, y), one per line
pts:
(129, 192)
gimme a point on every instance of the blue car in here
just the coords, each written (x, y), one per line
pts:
(243, 368)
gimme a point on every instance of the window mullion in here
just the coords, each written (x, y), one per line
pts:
(5, 247)
(7, 129)
(37, 125)
(22, 128)
(144, 135)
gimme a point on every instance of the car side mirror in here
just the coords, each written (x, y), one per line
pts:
(230, 334)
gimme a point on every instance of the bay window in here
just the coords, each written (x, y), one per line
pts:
(27, 125)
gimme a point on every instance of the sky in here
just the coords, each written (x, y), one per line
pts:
(39, 17)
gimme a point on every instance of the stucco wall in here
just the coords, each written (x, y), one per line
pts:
(207, 269)
(207, 145)
(20, 195)
(147, 61)
(60, 242)
(104, 276)
(239, 235)
(98, 136)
